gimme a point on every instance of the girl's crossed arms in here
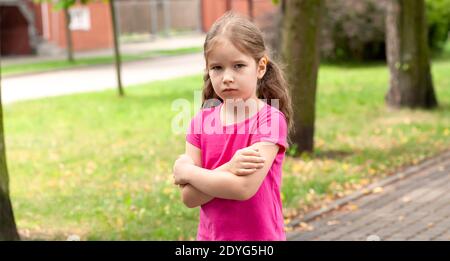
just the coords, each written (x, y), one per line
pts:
(238, 179)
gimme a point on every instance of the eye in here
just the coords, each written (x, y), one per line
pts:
(215, 68)
(239, 66)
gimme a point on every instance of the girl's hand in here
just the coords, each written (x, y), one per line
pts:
(245, 161)
(180, 169)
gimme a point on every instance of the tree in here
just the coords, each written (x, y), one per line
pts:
(301, 31)
(8, 229)
(68, 35)
(251, 10)
(411, 83)
(65, 5)
(228, 5)
(116, 48)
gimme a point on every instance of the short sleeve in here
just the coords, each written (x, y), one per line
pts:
(194, 130)
(272, 128)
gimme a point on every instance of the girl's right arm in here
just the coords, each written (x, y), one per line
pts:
(192, 197)
(226, 184)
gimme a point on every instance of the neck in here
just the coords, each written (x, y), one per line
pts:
(238, 110)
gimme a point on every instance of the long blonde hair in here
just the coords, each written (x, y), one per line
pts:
(247, 38)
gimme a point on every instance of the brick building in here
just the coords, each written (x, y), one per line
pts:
(27, 27)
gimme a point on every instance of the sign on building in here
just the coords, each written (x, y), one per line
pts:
(80, 19)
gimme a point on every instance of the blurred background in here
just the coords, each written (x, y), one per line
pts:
(87, 89)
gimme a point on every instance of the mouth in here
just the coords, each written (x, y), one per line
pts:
(229, 90)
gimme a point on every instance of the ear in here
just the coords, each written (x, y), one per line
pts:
(262, 67)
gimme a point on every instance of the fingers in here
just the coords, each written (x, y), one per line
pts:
(249, 168)
(253, 159)
(250, 152)
(242, 172)
(247, 165)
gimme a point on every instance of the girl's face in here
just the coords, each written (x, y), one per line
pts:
(233, 74)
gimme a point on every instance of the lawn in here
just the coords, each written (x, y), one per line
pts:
(99, 166)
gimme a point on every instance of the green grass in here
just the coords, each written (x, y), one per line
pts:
(100, 166)
(446, 52)
(16, 69)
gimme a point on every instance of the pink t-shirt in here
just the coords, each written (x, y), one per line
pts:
(260, 217)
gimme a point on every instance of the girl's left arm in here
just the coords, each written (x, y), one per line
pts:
(191, 196)
(224, 184)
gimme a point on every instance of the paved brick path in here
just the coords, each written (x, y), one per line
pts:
(414, 208)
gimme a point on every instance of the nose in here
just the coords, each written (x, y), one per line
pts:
(227, 77)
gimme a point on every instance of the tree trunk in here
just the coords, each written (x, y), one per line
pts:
(272, 26)
(407, 53)
(228, 5)
(251, 14)
(302, 22)
(116, 47)
(68, 35)
(8, 229)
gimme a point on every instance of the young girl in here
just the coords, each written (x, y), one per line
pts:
(233, 160)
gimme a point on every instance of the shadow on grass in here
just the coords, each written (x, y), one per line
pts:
(332, 154)
(355, 64)
(441, 56)
(442, 107)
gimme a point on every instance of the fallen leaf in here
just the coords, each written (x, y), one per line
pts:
(303, 224)
(377, 190)
(351, 207)
(406, 199)
(364, 182)
(288, 229)
(365, 191)
(333, 222)
(73, 238)
(306, 226)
